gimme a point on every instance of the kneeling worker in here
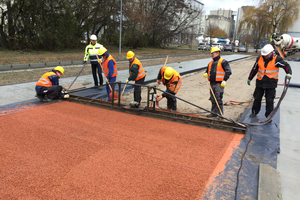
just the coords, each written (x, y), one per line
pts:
(172, 80)
(137, 74)
(47, 88)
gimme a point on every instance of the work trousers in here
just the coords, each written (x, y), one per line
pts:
(218, 91)
(137, 90)
(96, 67)
(111, 80)
(53, 92)
(270, 96)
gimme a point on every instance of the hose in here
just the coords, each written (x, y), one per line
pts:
(272, 114)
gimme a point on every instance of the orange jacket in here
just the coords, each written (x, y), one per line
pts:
(106, 69)
(220, 73)
(271, 70)
(172, 85)
(141, 74)
(44, 81)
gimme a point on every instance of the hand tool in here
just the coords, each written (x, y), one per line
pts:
(214, 96)
(110, 94)
(75, 78)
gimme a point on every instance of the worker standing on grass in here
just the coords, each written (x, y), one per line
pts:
(137, 74)
(47, 88)
(92, 51)
(109, 68)
(172, 80)
(267, 68)
(218, 72)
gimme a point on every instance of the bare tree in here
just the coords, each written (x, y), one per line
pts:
(281, 13)
(254, 26)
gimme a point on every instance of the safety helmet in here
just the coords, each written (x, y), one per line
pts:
(102, 50)
(130, 55)
(214, 49)
(60, 69)
(93, 37)
(268, 48)
(168, 73)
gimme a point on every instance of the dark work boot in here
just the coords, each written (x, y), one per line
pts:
(211, 115)
(253, 114)
(46, 99)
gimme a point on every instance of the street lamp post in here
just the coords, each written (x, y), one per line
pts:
(121, 17)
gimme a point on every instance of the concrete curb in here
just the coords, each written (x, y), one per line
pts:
(78, 62)
(269, 185)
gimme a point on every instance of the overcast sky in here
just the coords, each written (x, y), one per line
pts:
(226, 4)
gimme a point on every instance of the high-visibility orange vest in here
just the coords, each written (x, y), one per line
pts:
(44, 80)
(141, 74)
(220, 73)
(105, 66)
(175, 78)
(270, 71)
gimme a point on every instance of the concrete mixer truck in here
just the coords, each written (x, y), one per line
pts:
(285, 44)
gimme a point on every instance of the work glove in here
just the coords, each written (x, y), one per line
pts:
(66, 96)
(288, 76)
(99, 61)
(159, 97)
(248, 82)
(127, 81)
(223, 84)
(205, 75)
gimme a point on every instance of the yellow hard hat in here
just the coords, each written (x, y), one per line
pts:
(130, 55)
(168, 73)
(102, 50)
(214, 49)
(60, 69)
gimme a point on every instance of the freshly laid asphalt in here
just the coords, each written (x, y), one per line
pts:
(288, 159)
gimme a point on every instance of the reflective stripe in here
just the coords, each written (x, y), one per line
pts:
(274, 71)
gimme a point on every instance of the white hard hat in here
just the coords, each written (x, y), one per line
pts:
(267, 49)
(93, 37)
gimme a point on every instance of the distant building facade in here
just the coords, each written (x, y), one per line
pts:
(224, 19)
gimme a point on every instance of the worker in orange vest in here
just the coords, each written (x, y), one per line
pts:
(172, 80)
(137, 74)
(109, 68)
(47, 88)
(218, 72)
(267, 68)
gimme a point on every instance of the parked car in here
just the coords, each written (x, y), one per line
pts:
(242, 48)
(229, 47)
(220, 45)
(203, 46)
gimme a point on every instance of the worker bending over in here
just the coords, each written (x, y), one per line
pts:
(267, 68)
(92, 51)
(47, 88)
(172, 80)
(109, 68)
(137, 74)
(218, 72)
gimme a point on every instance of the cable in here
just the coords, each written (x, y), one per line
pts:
(272, 114)
(241, 164)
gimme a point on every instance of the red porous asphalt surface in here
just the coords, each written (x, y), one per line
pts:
(72, 151)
